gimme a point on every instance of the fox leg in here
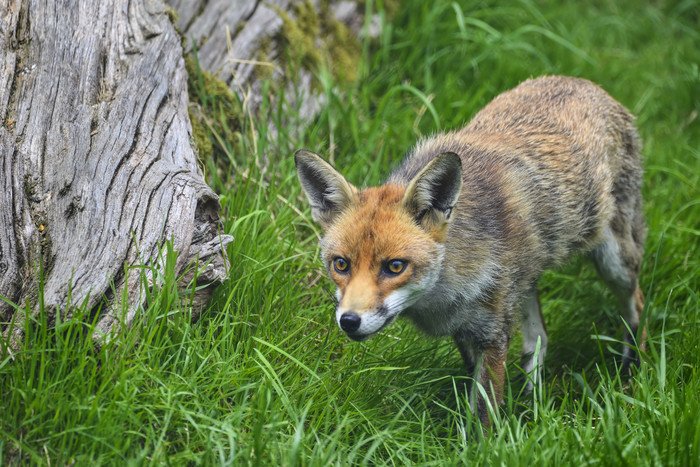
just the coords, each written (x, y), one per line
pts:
(488, 369)
(468, 353)
(618, 260)
(533, 330)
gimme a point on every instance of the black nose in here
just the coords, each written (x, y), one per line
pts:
(350, 322)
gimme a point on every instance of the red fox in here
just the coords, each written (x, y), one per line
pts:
(458, 236)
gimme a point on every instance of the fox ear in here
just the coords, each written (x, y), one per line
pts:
(432, 194)
(327, 190)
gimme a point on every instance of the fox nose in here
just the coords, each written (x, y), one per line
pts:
(350, 322)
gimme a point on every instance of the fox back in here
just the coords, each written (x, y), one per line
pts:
(458, 236)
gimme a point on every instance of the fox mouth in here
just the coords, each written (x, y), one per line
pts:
(359, 336)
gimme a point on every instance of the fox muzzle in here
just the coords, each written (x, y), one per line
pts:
(361, 326)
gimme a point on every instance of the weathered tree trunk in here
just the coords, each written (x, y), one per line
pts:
(97, 168)
(245, 42)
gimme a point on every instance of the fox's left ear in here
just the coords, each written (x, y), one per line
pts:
(432, 194)
(328, 192)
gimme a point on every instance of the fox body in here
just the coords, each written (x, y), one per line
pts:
(459, 235)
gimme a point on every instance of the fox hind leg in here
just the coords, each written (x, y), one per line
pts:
(533, 330)
(618, 261)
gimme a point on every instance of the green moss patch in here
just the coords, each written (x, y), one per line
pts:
(315, 39)
(219, 114)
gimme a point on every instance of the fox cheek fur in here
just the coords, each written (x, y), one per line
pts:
(546, 171)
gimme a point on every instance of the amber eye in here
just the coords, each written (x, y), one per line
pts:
(341, 265)
(395, 266)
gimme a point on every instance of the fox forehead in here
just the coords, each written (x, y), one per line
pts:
(376, 228)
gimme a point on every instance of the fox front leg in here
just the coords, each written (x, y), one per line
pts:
(487, 368)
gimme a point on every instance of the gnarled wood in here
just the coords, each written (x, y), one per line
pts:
(234, 40)
(97, 166)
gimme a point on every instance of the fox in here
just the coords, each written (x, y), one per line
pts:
(458, 235)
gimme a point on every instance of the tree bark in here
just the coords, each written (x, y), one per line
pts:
(235, 40)
(97, 168)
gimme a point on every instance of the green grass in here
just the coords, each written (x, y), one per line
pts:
(266, 377)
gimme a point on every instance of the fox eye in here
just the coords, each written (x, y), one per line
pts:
(341, 265)
(395, 266)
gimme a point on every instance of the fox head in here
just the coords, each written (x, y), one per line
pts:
(383, 246)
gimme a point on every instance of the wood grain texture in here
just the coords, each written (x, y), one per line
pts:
(97, 165)
(232, 38)
(249, 23)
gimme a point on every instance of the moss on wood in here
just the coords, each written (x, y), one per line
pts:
(217, 101)
(317, 39)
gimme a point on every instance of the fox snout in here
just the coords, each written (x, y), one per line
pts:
(359, 326)
(350, 323)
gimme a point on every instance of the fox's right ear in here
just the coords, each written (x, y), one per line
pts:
(327, 190)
